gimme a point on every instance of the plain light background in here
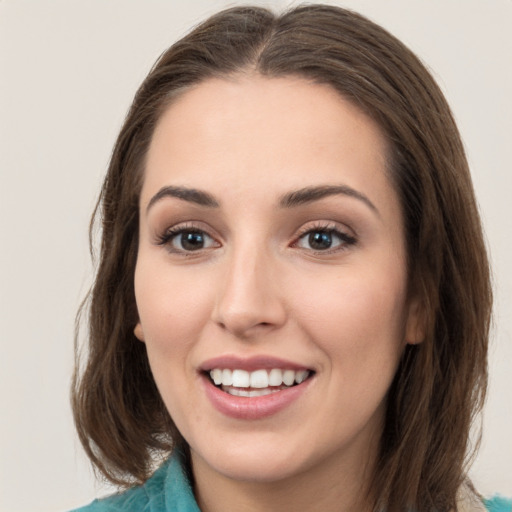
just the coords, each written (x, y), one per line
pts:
(68, 71)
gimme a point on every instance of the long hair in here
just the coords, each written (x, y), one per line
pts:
(440, 384)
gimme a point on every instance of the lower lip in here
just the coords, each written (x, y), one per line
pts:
(253, 408)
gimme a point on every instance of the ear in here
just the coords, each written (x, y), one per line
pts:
(139, 333)
(416, 322)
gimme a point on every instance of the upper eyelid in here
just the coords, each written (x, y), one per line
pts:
(347, 236)
(167, 237)
(308, 226)
(327, 225)
(201, 226)
(162, 237)
(191, 225)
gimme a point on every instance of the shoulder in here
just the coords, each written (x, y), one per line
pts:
(142, 498)
(498, 504)
(128, 501)
(168, 489)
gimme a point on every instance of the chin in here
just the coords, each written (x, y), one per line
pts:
(252, 462)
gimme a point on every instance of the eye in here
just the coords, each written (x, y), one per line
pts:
(191, 241)
(185, 240)
(324, 239)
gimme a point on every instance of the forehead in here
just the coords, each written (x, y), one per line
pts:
(310, 111)
(249, 131)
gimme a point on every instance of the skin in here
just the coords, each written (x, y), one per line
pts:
(257, 287)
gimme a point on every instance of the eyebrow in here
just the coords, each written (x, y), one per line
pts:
(289, 200)
(191, 195)
(309, 194)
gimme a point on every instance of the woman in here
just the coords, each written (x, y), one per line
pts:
(293, 294)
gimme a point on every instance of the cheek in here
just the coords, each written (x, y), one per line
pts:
(171, 307)
(172, 314)
(355, 315)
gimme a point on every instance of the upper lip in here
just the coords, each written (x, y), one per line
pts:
(260, 362)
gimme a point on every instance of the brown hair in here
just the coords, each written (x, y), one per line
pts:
(440, 384)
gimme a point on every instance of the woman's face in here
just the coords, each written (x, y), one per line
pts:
(271, 247)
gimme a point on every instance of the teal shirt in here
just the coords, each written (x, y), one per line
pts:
(169, 490)
(498, 504)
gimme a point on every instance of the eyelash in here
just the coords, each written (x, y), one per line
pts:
(170, 234)
(329, 228)
(345, 240)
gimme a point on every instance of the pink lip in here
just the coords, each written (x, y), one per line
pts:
(258, 407)
(250, 364)
(251, 408)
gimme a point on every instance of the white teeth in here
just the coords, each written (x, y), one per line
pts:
(250, 393)
(288, 377)
(275, 377)
(241, 379)
(260, 381)
(301, 376)
(217, 376)
(227, 378)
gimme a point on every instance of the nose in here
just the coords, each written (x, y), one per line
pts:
(250, 300)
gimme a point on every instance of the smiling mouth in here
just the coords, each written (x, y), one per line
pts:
(256, 383)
